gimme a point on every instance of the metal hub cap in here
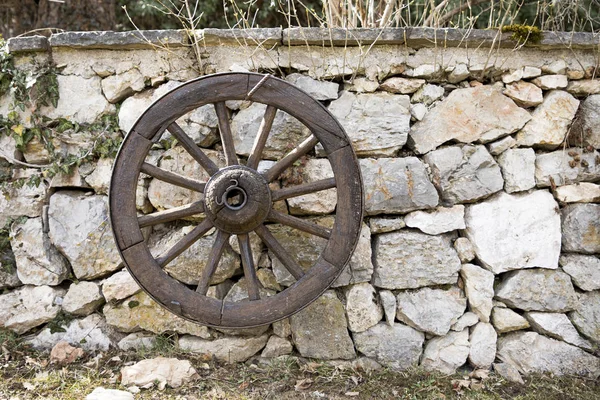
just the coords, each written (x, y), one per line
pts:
(237, 199)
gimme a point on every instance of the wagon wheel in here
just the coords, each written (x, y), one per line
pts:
(237, 200)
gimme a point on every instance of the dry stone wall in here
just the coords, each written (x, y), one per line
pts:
(480, 162)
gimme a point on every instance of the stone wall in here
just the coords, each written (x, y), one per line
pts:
(479, 157)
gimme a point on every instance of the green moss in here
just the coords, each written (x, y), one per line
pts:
(524, 33)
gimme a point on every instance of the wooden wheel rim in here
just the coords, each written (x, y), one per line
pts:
(179, 298)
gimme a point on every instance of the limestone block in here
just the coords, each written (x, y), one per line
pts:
(506, 320)
(586, 316)
(159, 371)
(428, 94)
(388, 302)
(583, 269)
(26, 200)
(584, 87)
(479, 288)
(482, 352)
(276, 347)
(582, 192)
(318, 203)
(117, 87)
(137, 341)
(401, 85)
(525, 94)
(119, 286)
(362, 308)
(440, 220)
(557, 326)
(581, 228)
(23, 309)
(90, 333)
(500, 146)
(566, 167)
(320, 90)
(227, 349)
(445, 354)
(465, 250)
(82, 298)
(518, 169)
(550, 82)
(467, 320)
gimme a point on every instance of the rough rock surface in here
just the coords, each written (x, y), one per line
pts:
(550, 121)
(320, 330)
(432, 311)
(506, 320)
(82, 298)
(160, 371)
(500, 146)
(582, 192)
(117, 87)
(277, 346)
(446, 353)
(63, 354)
(360, 267)
(16, 202)
(586, 128)
(483, 345)
(386, 224)
(583, 269)
(119, 286)
(530, 352)
(508, 372)
(24, 309)
(377, 124)
(318, 203)
(581, 228)
(557, 326)
(537, 290)
(407, 259)
(518, 169)
(465, 250)
(362, 308)
(464, 174)
(388, 302)
(566, 167)
(584, 87)
(320, 90)
(479, 288)
(79, 228)
(227, 349)
(467, 115)
(428, 94)
(398, 347)
(401, 85)
(466, 320)
(440, 220)
(515, 231)
(586, 316)
(550, 82)
(396, 185)
(38, 261)
(137, 341)
(525, 94)
(99, 180)
(90, 333)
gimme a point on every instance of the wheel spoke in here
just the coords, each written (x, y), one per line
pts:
(261, 137)
(191, 147)
(283, 164)
(299, 190)
(173, 178)
(248, 264)
(226, 137)
(172, 214)
(213, 262)
(185, 242)
(286, 259)
(300, 224)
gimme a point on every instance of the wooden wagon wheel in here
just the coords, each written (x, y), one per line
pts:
(236, 200)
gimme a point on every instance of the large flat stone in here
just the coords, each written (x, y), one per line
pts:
(586, 128)
(362, 308)
(441, 220)
(518, 169)
(479, 288)
(445, 354)
(583, 269)
(557, 326)
(562, 167)
(581, 228)
(23, 309)
(227, 349)
(586, 316)
(482, 352)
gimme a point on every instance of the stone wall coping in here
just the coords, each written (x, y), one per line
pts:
(412, 37)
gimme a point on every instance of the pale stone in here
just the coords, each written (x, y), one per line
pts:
(550, 121)
(459, 73)
(133, 107)
(479, 288)
(467, 320)
(16, 202)
(319, 90)
(500, 146)
(72, 180)
(79, 228)
(82, 298)
(525, 94)
(8, 148)
(518, 169)
(586, 316)
(282, 328)
(515, 231)
(408, 259)
(362, 85)
(575, 74)
(582, 192)
(90, 333)
(117, 87)
(418, 111)
(188, 265)
(100, 393)
(557, 326)
(538, 290)
(586, 127)
(8, 276)
(398, 347)
(256, 246)
(320, 330)
(397, 185)
(584, 270)
(464, 174)
(38, 262)
(531, 72)
(432, 311)
(533, 353)
(388, 302)
(319, 203)
(555, 67)
(402, 85)
(89, 104)
(483, 345)
(581, 228)
(424, 71)
(276, 347)
(386, 224)
(550, 82)
(506, 320)
(584, 87)
(440, 220)
(267, 278)
(563, 167)
(465, 250)
(227, 349)
(23, 309)
(360, 267)
(140, 312)
(286, 133)
(467, 115)
(508, 372)
(137, 341)
(159, 371)
(362, 308)
(445, 354)
(513, 76)
(99, 180)
(428, 94)
(377, 123)
(119, 286)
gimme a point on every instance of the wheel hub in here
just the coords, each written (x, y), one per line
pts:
(237, 199)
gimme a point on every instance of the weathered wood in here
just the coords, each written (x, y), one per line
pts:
(213, 262)
(248, 264)
(225, 131)
(301, 224)
(306, 188)
(172, 214)
(172, 178)
(191, 147)
(184, 243)
(307, 145)
(286, 259)
(261, 137)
